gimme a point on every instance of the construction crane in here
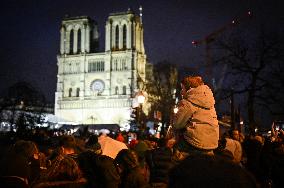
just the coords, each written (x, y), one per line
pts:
(213, 36)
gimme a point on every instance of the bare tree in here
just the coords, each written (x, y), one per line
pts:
(161, 89)
(22, 105)
(255, 70)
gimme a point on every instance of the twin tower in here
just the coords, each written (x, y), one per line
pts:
(99, 87)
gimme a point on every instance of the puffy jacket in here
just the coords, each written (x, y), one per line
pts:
(196, 114)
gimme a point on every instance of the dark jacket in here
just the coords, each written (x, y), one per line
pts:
(17, 165)
(160, 162)
(99, 170)
(133, 179)
(81, 183)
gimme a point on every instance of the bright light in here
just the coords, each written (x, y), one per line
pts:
(140, 97)
(241, 122)
(269, 132)
(175, 110)
(255, 130)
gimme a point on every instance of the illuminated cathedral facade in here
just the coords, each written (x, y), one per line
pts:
(99, 87)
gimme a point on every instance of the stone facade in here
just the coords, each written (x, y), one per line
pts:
(99, 87)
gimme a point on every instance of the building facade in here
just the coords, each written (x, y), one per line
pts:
(99, 87)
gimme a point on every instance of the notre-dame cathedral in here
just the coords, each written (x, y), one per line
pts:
(99, 87)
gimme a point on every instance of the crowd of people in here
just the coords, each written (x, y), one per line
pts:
(195, 155)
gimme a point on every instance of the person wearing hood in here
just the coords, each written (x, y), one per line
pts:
(196, 118)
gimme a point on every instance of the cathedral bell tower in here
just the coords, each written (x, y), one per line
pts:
(124, 32)
(78, 35)
(99, 87)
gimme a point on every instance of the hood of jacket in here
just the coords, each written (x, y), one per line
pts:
(201, 96)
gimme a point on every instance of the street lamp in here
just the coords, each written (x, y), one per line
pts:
(141, 99)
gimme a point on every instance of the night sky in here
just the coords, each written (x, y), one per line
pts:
(29, 31)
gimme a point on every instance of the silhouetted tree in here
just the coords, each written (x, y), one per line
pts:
(161, 90)
(255, 69)
(22, 105)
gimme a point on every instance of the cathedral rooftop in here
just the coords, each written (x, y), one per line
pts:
(75, 17)
(129, 11)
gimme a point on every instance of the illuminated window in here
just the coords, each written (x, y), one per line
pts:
(77, 67)
(103, 66)
(124, 67)
(96, 66)
(115, 64)
(124, 36)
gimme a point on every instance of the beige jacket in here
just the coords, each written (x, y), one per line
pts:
(196, 113)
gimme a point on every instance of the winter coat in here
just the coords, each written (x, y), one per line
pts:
(160, 162)
(133, 179)
(80, 183)
(196, 114)
(235, 148)
(99, 170)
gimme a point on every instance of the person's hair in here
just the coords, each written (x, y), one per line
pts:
(162, 142)
(233, 131)
(25, 148)
(93, 139)
(127, 158)
(63, 169)
(67, 142)
(192, 82)
(93, 144)
(99, 170)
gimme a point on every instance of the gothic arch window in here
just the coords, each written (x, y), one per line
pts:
(116, 90)
(115, 64)
(78, 92)
(120, 64)
(71, 41)
(124, 66)
(98, 66)
(79, 41)
(124, 36)
(116, 37)
(103, 66)
(124, 90)
(70, 68)
(77, 67)
(70, 92)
